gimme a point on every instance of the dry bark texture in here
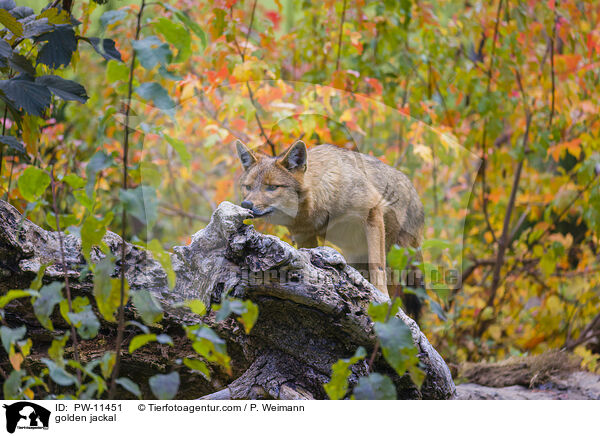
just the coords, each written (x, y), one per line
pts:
(313, 308)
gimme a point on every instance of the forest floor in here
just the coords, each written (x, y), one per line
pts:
(550, 376)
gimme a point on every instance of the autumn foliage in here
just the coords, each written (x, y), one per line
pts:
(490, 107)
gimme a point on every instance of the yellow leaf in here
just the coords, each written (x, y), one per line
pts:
(424, 152)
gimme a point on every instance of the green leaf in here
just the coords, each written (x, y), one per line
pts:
(196, 306)
(68, 90)
(197, 365)
(32, 183)
(141, 202)
(14, 294)
(11, 23)
(63, 220)
(107, 290)
(155, 93)
(379, 312)
(111, 17)
(164, 258)
(92, 232)
(177, 35)
(129, 386)
(43, 306)
(86, 322)
(139, 325)
(181, 149)
(8, 5)
(209, 345)
(12, 385)
(58, 374)
(5, 49)
(375, 387)
(21, 64)
(60, 45)
(11, 336)
(164, 339)
(117, 71)
(37, 282)
(249, 316)
(105, 47)
(21, 12)
(219, 21)
(247, 310)
(15, 147)
(56, 350)
(141, 340)
(397, 345)
(26, 94)
(165, 387)
(152, 51)
(74, 181)
(337, 387)
(98, 162)
(193, 26)
(147, 306)
(107, 363)
(187, 21)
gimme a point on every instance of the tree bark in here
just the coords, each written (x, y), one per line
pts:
(312, 308)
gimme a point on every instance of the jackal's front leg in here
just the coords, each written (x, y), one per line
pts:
(375, 232)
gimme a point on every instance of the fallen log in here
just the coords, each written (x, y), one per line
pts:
(312, 308)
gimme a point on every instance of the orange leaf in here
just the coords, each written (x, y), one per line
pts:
(16, 360)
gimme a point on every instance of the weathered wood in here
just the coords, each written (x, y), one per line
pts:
(313, 307)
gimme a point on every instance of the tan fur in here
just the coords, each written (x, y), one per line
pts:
(355, 201)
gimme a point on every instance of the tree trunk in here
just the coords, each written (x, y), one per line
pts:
(312, 308)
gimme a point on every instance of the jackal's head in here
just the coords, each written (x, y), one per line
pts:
(272, 187)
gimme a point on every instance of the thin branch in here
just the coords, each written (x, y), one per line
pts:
(476, 264)
(339, 48)
(121, 320)
(552, 66)
(64, 268)
(250, 93)
(484, 156)
(591, 331)
(249, 27)
(504, 238)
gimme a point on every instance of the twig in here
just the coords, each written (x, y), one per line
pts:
(472, 268)
(504, 238)
(121, 320)
(250, 27)
(484, 156)
(64, 268)
(339, 49)
(250, 93)
(552, 66)
(591, 331)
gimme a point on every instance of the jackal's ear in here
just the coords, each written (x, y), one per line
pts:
(246, 156)
(294, 159)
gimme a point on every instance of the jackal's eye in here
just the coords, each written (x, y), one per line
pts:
(271, 187)
(247, 187)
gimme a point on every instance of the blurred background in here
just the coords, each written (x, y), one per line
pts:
(490, 107)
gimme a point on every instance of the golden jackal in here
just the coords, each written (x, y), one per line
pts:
(352, 200)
